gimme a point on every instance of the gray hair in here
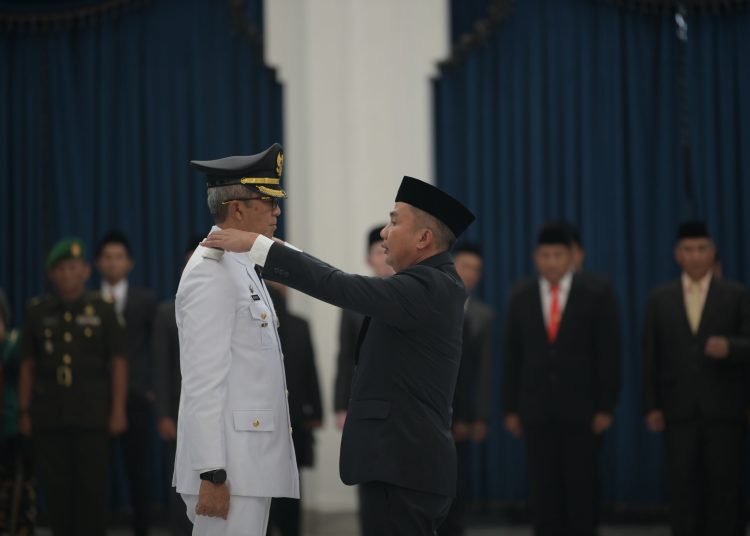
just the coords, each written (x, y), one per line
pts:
(444, 237)
(221, 194)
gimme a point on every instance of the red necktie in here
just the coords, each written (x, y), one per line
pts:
(554, 313)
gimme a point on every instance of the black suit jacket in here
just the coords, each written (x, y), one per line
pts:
(577, 375)
(349, 327)
(398, 426)
(140, 308)
(301, 378)
(473, 388)
(166, 356)
(678, 377)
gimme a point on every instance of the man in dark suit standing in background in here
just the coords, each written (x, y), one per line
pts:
(471, 403)
(397, 442)
(349, 327)
(167, 387)
(561, 379)
(305, 411)
(114, 261)
(696, 353)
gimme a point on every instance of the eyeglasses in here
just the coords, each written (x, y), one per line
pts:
(274, 200)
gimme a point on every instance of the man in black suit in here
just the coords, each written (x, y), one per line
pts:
(561, 379)
(397, 441)
(471, 403)
(114, 261)
(351, 323)
(696, 353)
(305, 411)
(167, 387)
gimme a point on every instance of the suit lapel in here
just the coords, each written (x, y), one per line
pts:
(537, 311)
(708, 307)
(572, 301)
(678, 302)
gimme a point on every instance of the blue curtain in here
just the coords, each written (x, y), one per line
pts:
(99, 119)
(573, 110)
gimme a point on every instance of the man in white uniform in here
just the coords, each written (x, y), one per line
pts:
(234, 444)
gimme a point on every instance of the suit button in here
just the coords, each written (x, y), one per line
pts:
(256, 423)
(263, 316)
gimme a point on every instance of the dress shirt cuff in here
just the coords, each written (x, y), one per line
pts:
(259, 252)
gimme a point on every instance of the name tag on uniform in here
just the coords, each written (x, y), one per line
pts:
(255, 297)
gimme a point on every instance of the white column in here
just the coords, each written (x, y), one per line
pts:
(357, 117)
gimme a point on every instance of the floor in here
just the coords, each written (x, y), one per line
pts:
(346, 525)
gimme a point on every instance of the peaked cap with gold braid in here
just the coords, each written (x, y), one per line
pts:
(261, 171)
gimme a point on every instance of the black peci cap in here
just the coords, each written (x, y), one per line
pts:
(554, 233)
(693, 229)
(435, 202)
(261, 171)
(373, 237)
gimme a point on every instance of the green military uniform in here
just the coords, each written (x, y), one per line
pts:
(72, 345)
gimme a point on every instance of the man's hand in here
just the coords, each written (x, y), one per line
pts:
(601, 422)
(24, 424)
(213, 500)
(167, 428)
(513, 425)
(717, 347)
(480, 431)
(230, 240)
(340, 419)
(461, 431)
(118, 422)
(655, 420)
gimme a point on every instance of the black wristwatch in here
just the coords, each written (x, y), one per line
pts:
(217, 476)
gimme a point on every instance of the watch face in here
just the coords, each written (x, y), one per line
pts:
(220, 476)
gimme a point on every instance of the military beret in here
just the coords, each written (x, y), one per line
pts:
(67, 248)
(435, 202)
(260, 171)
(693, 229)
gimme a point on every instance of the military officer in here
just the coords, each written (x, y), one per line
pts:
(233, 429)
(72, 389)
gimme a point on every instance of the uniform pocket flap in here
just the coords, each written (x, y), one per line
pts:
(259, 311)
(371, 409)
(253, 420)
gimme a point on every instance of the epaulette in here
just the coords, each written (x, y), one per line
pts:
(95, 295)
(39, 300)
(214, 254)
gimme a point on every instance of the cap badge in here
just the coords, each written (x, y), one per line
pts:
(279, 164)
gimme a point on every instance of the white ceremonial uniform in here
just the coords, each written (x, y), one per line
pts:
(233, 411)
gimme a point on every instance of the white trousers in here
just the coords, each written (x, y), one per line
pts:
(248, 516)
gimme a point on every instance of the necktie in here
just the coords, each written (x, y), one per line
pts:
(554, 313)
(694, 306)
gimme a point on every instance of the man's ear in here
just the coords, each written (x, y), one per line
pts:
(425, 238)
